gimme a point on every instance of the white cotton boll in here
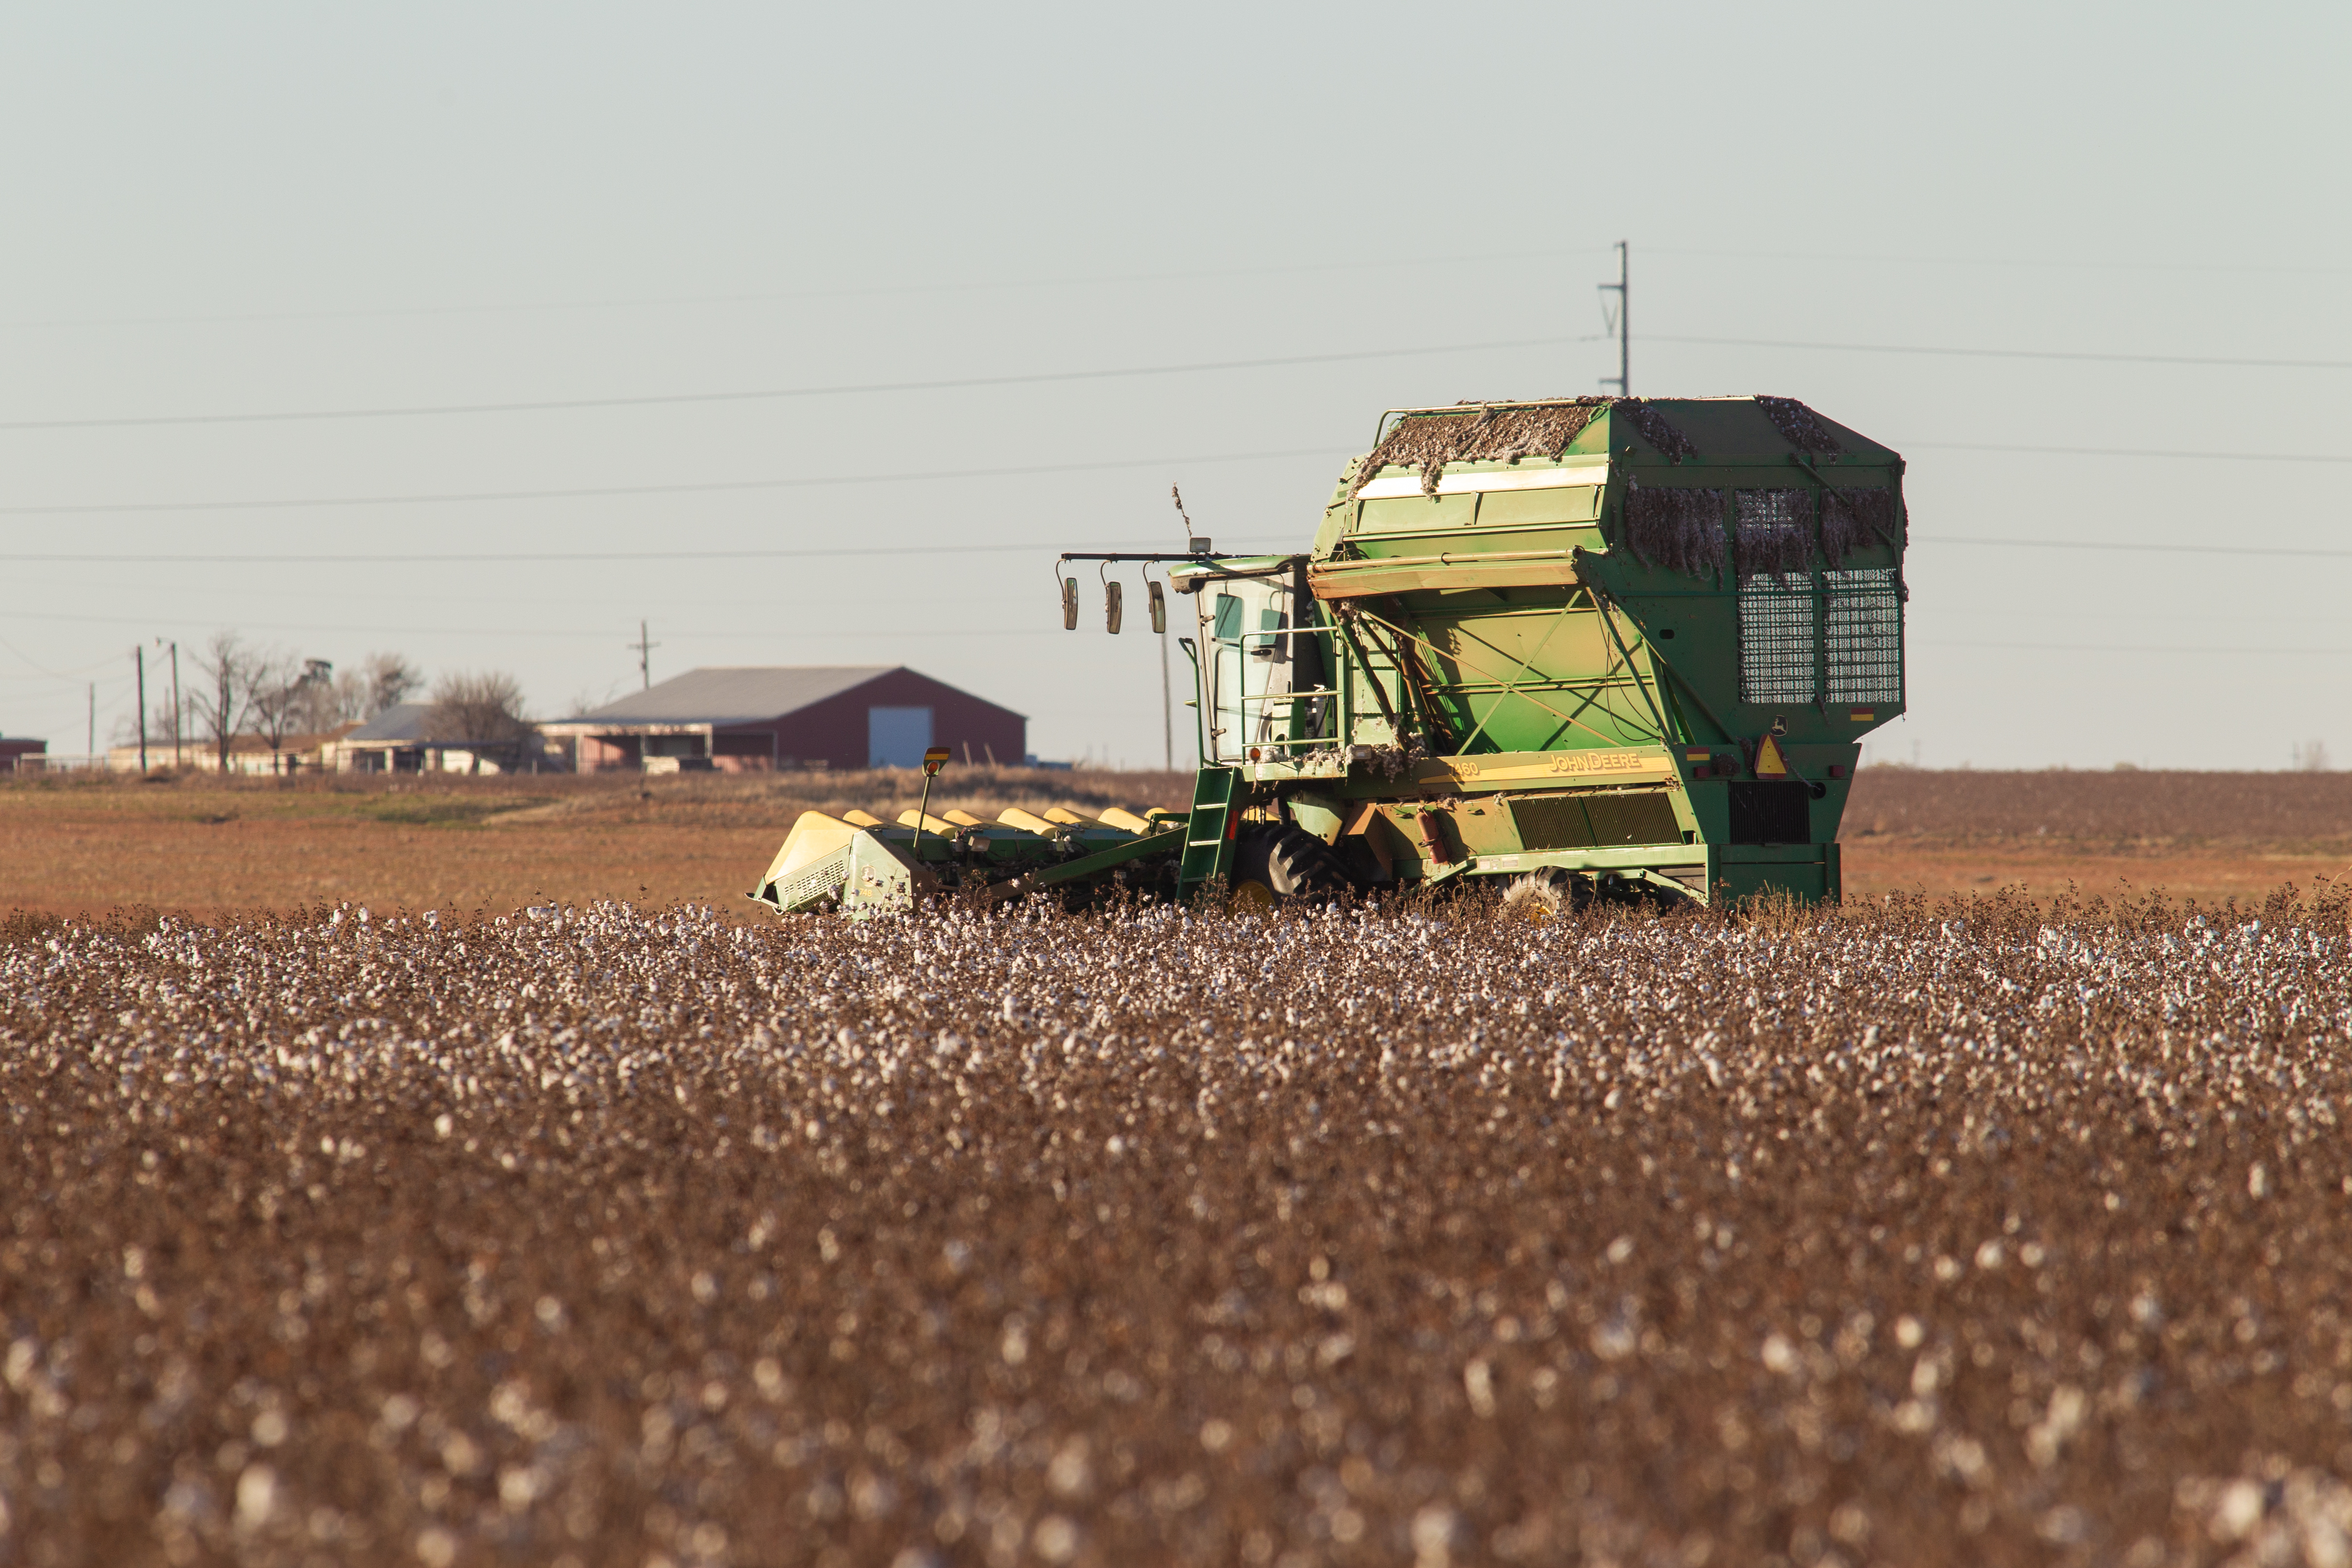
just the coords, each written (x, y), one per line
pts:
(1478, 1384)
(257, 1497)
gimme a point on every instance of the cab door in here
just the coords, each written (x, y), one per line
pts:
(1241, 625)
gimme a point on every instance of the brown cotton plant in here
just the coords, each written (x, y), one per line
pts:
(1917, 1232)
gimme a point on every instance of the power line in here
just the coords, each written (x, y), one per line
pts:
(2135, 648)
(716, 485)
(78, 674)
(1336, 452)
(2023, 263)
(849, 389)
(2009, 353)
(759, 297)
(1104, 278)
(2132, 546)
(843, 389)
(765, 633)
(896, 633)
(541, 556)
(2133, 452)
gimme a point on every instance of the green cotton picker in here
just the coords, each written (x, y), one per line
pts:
(1599, 646)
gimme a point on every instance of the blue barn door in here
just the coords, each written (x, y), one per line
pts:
(897, 737)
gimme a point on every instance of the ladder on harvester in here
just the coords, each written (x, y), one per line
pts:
(1209, 831)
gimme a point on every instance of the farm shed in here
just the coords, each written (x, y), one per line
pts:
(247, 754)
(402, 740)
(755, 718)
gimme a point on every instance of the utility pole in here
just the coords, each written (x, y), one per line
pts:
(91, 748)
(176, 705)
(644, 656)
(139, 661)
(1623, 380)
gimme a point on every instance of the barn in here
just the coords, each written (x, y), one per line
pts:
(756, 717)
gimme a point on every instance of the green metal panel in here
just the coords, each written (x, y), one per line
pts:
(1737, 573)
(1208, 830)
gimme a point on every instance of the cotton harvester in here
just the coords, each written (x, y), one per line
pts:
(1621, 646)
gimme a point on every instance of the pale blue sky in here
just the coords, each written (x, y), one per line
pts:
(240, 208)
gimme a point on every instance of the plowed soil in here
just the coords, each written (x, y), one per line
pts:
(206, 847)
(2211, 836)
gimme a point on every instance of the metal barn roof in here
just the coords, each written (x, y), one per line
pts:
(740, 694)
(401, 722)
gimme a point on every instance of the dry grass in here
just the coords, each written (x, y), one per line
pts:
(206, 848)
(1910, 1233)
(2207, 836)
(2123, 811)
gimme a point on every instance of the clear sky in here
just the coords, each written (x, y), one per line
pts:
(235, 209)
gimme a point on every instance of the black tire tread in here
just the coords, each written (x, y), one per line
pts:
(1292, 862)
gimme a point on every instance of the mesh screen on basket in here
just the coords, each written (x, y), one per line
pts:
(1479, 435)
(1862, 635)
(1776, 533)
(1777, 633)
(1680, 529)
(1849, 517)
(1800, 425)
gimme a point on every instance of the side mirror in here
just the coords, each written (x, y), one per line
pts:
(1113, 606)
(1158, 609)
(1069, 604)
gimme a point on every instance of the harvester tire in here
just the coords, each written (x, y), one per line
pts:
(1273, 862)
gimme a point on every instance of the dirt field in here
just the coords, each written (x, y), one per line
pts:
(204, 847)
(1902, 1235)
(2211, 836)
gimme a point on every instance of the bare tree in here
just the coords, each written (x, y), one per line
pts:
(2312, 757)
(222, 699)
(288, 698)
(318, 697)
(482, 712)
(584, 702)
(381, 680)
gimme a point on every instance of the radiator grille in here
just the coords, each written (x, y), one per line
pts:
(1552, 822)
(1862, 635)
(1764, 812)
(1643, 817)
(1776, 642)
(1578, 822)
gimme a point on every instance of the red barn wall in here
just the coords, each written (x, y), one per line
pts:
(833, 731)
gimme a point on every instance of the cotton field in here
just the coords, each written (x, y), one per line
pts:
(1908, 1235)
